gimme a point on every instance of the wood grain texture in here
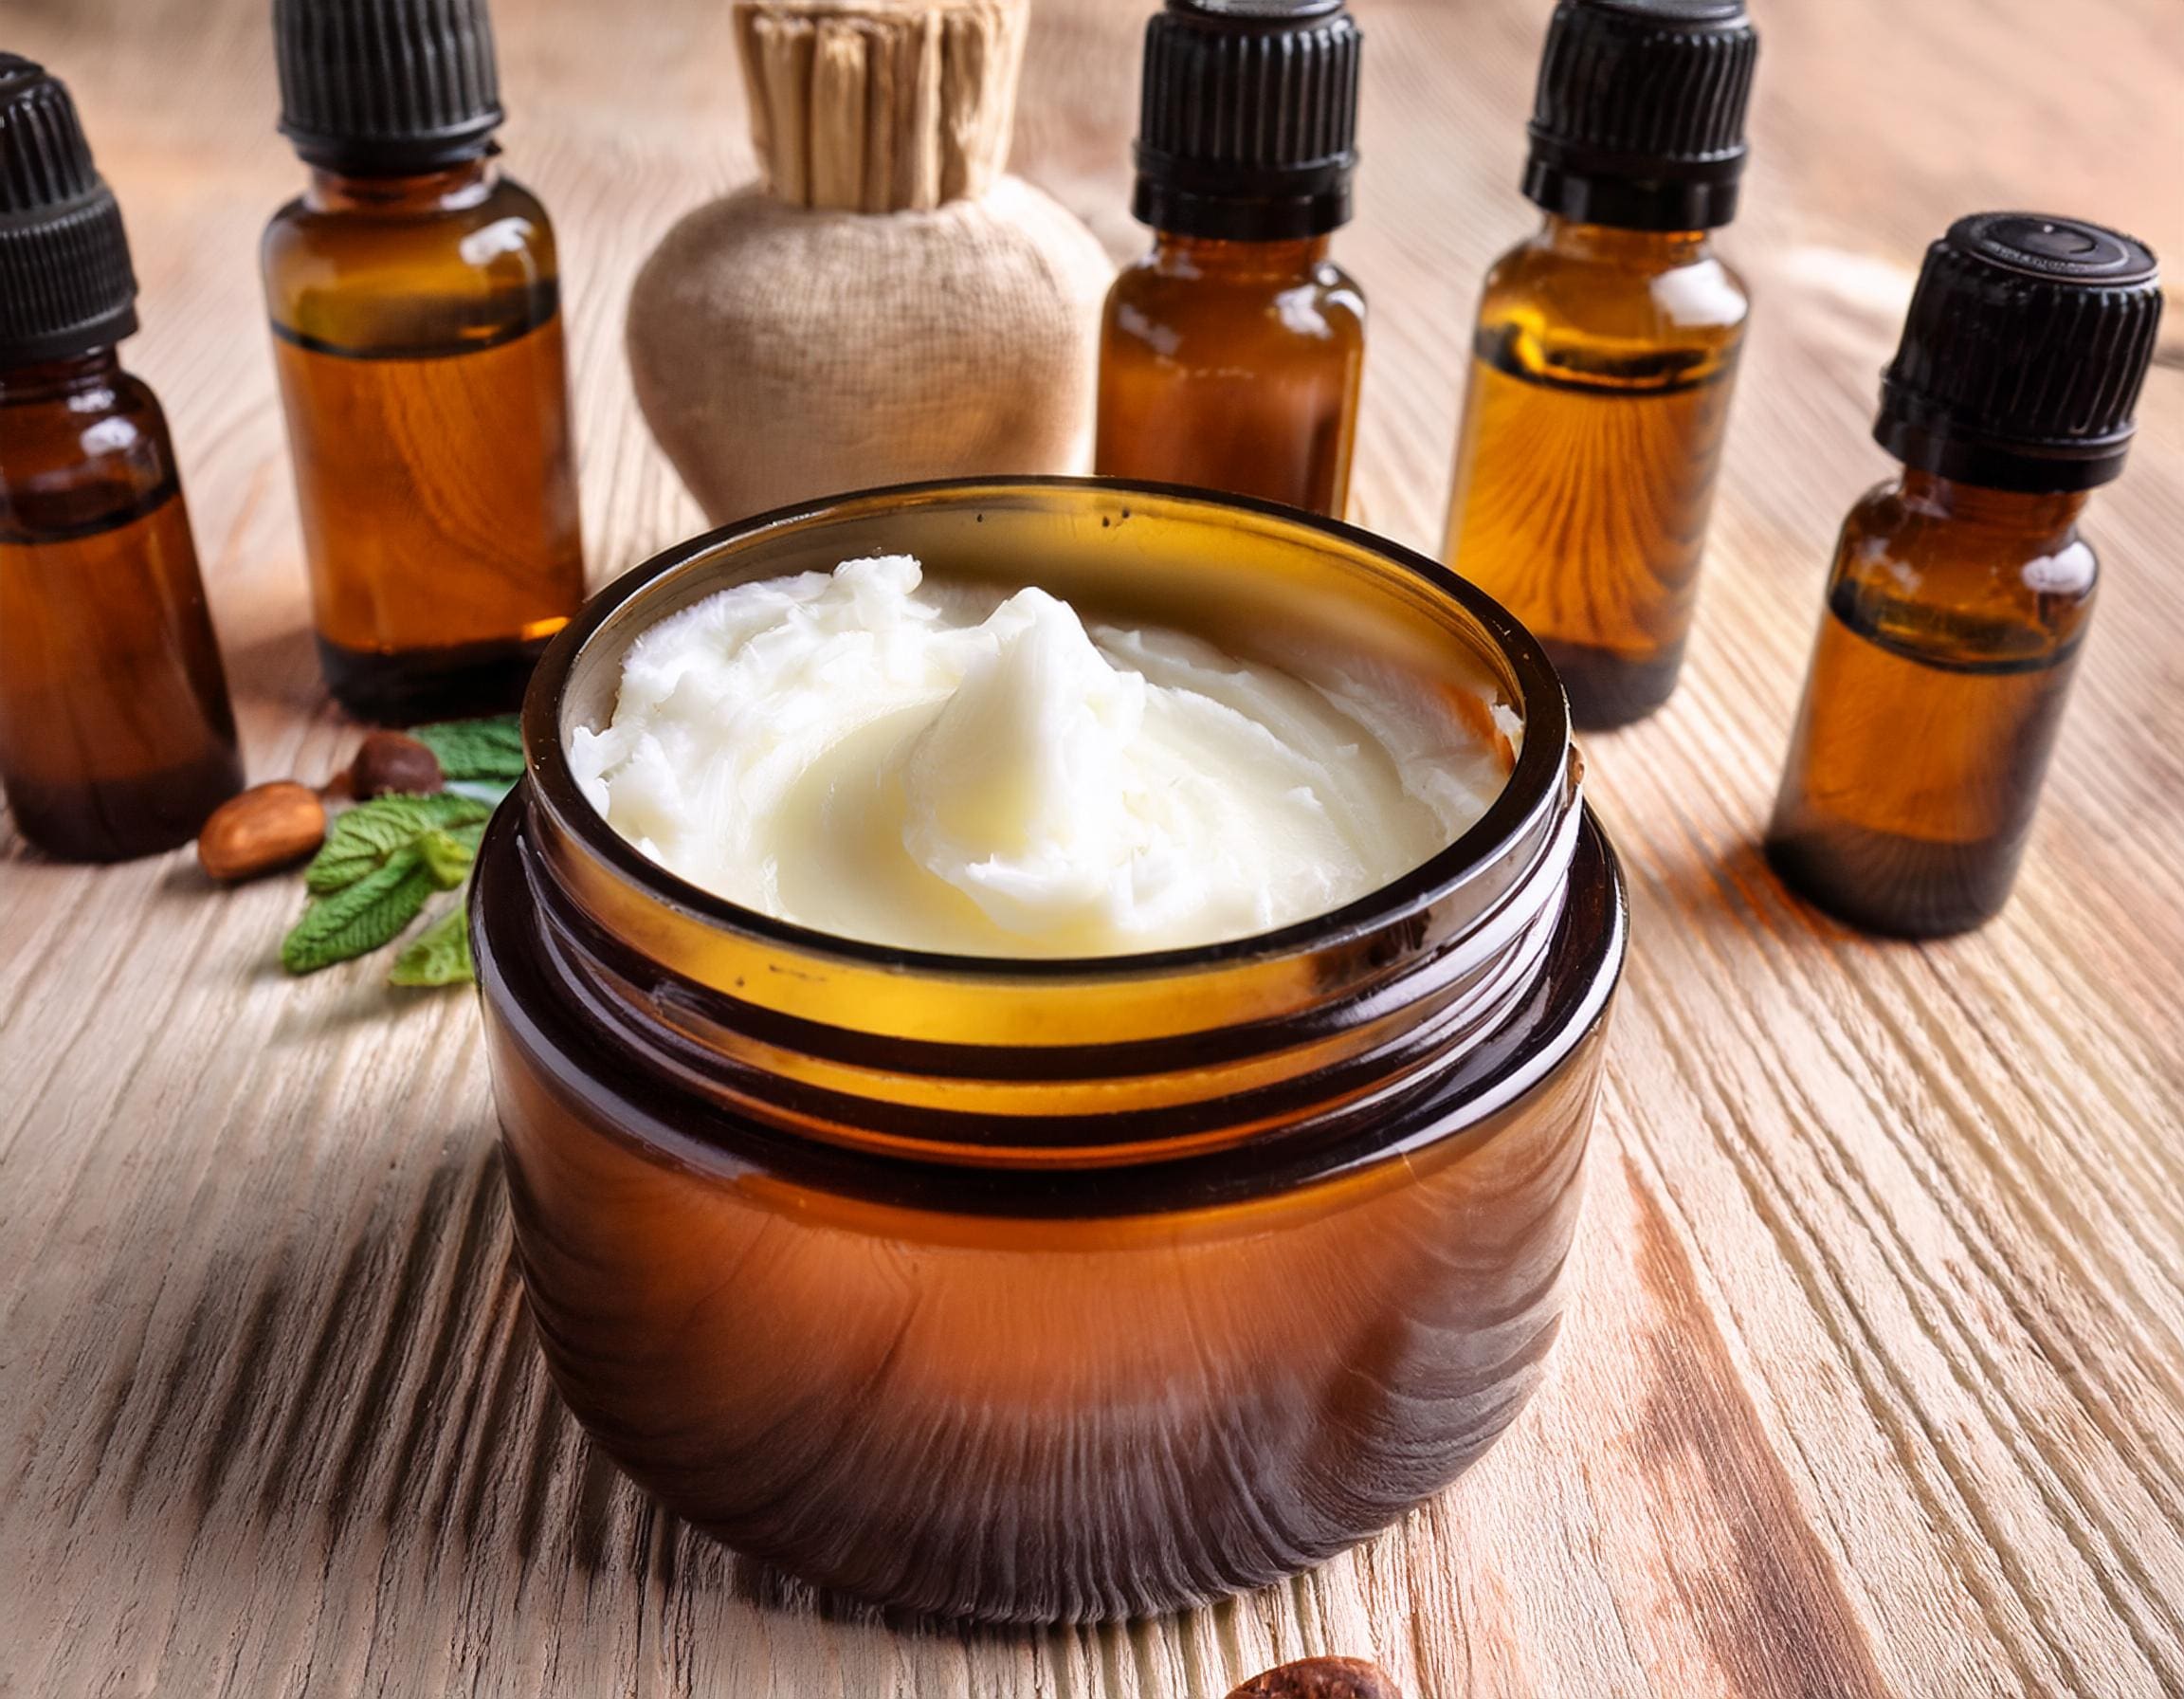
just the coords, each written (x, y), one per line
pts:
(1875, 1382)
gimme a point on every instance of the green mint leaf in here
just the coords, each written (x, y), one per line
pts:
(446, 858)
(355, 922)
(476, 748)
(439, 954)
(364, 839)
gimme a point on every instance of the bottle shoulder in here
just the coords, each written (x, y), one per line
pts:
(1966, 586)
(1171, 311)
(84, 456)
(1560, 298)
(397, 281)
(1333, 279)
(1889, 529)
(498, 239)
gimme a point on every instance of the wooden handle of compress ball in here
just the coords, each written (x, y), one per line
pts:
(1322, 1678)
(880, 105)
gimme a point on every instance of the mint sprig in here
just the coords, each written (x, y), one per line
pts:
(477, 749)
(352, 922)
(383, 860)
(380, 865)
(439, 954)
(372, 833)
(447, 857)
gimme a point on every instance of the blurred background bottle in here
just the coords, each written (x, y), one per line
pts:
(117, 736)
(1606, 347)
(1232, 355)
(415, 303)
(1961, 591)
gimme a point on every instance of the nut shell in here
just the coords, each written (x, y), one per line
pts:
(388, 764)
(1322, 1678)
(265, 828)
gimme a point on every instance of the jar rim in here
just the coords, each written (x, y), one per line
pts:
(1537, 778)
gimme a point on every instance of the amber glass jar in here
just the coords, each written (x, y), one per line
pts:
(417, 331)
(1056, 1289)
(116, 734)
(1600, 382)
(1236, 366)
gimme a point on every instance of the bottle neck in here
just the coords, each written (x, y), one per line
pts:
(50, 380)
(446, 188)
(1292, 261)
(2038, 517)
(1654, 251)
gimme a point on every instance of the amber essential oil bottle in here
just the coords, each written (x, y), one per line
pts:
(1606, 347)
(1233, 354)
(1961, 592)
(415, 307)
(116, 738)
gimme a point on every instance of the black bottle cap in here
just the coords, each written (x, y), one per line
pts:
(1639, 118)
(385, 87)
(2023, 354)
(1249, 121)
(65, 282)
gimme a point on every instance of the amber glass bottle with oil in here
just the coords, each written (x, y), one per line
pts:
(1606, 347)
(116, 739)
(415, 304)
(1960, 594)
(1233, 354)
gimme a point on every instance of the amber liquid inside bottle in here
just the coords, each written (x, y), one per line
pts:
(417, 333)
(117, 736)
(1600, 383)
(1235, 365)
(1955, 620)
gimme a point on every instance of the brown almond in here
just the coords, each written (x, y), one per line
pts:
(1322, 1678)
(267, 827)
(388, 764)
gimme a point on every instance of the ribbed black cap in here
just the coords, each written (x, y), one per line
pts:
(66, 283)
(1250, 121)
(2023, 354)
(1639, 118)
(382, 87)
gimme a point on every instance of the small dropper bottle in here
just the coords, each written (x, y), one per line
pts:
(1961, 591)
(415, 301)
(1232, 355)
(1606, 347)
(116, 738)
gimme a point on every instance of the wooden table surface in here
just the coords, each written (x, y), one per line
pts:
(1875, 1379)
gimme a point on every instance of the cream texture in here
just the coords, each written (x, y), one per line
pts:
(876, 758)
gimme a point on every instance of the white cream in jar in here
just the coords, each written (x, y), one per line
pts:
(932, 767)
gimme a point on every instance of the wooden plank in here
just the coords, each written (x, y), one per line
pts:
(1875, 1380)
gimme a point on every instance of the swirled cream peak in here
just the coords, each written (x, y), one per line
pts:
(928, 767)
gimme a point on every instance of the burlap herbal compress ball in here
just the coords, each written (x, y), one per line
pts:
(886, 305)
